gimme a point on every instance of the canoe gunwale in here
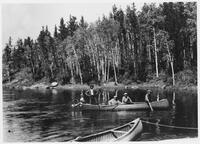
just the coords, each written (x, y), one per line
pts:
(133, 125)
(162, 104)
(119, 131)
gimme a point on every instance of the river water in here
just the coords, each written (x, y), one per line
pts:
(37, 116)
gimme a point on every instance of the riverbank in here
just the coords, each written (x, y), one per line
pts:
(185, 80)
(110, 85)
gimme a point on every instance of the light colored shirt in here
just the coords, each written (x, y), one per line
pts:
(91, 91)
(147, 97)
(113, 102)
(82, 100)
(126, 100)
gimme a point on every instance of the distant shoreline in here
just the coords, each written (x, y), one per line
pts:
(110, 85)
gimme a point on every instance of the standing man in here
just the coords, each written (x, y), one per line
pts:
(91, 94)
(147, 96)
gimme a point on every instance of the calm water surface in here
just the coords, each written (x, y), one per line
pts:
(47, 115)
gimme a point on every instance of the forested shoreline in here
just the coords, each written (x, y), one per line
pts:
(153, 45)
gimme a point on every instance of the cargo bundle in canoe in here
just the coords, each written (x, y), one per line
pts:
(162, 104)
(127, 132)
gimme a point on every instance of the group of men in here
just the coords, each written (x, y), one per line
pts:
(125, 99)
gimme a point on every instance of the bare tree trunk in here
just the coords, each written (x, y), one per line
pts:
(174, 98)
(184, 59)
(80, 73)
(149, 50)
(51, 69)
(130, 43)
(98, 71)
(116, 92)
(8, 73)
(33, 68)
(114, 69)
(156, 57)
(108, 71)
(133, 54)
(102, 69)
(78, 65)
(72, 73)
(108, 96)
(105, 63)
(150, 70)
(172, 64)
(104, 96)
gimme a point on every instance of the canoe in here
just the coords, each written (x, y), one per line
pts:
(162, 104)
(54, 84)
(127, 132)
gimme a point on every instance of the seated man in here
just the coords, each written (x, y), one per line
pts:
(82, 100)
(114, 101)
(126, 99)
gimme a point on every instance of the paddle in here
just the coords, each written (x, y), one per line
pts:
(150, 105)
(115, 106)
(75, 105)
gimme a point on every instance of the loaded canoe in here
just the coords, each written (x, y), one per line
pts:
(162, 104)
(127, 132)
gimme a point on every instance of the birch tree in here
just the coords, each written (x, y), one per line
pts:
(167, 47)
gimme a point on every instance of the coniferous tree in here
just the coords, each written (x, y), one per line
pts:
(55, 32)
(7, 60)
(82, 23)
(63, 30)
(72, 25)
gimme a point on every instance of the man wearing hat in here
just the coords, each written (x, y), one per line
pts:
(91, 94)
(126, 99)
(148, 98)
(114, 101)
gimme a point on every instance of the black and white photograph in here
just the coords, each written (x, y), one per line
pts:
(99, 71)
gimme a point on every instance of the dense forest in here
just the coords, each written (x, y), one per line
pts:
(124, 46)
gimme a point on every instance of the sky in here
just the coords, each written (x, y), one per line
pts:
(20, 20)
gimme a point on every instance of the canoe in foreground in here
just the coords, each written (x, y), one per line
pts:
(162, 104)
(127, 132)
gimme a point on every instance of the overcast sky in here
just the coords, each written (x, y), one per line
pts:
(22, 20)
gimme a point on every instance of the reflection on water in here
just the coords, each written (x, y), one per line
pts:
(48, 116)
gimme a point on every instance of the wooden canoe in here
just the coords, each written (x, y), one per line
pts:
(54, 84)
(127, 132)
(162, 104)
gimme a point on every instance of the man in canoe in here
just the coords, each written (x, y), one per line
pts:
(126, 99)
(91, 94)
(114, 101)
(82, 100)
(147, 99)
(147, 96)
